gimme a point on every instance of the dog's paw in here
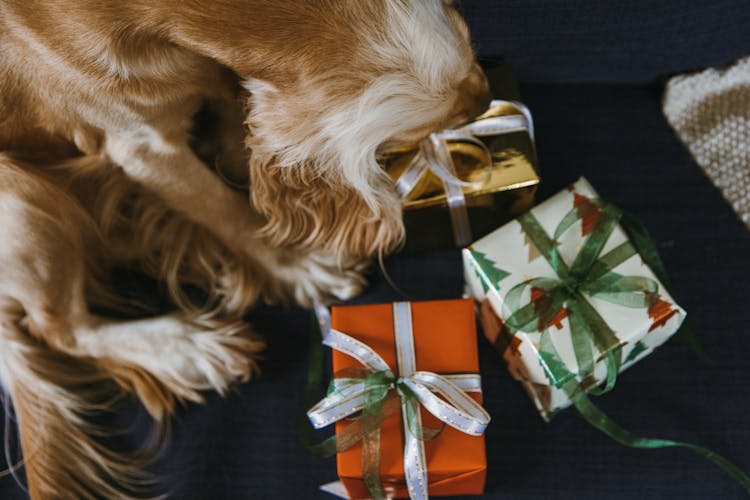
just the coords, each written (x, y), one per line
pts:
(217, 355)
(312, 277)
(188, 357)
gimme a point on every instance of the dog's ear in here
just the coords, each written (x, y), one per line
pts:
(312, 209)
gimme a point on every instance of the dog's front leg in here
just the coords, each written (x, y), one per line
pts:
(171, 170)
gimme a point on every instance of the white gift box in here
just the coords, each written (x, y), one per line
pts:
(507, 257)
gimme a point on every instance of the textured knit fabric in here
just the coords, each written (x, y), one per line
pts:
(710, 111)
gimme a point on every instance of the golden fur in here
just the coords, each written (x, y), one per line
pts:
(97, 99)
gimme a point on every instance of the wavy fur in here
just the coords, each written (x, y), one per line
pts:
(96, 171)
(56, 398)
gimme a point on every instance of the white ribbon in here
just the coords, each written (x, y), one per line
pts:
(434, 156)
(444, 396)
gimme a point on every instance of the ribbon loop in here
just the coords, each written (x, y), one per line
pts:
(458, 410)
(356, 349)
(434, 156)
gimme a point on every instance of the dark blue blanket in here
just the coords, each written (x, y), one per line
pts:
(612, 41)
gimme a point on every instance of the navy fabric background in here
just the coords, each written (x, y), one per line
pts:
(246, 446)
(609, 41)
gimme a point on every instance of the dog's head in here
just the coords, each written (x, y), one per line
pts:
(345, 81)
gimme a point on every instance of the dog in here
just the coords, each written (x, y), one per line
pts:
(97, 104)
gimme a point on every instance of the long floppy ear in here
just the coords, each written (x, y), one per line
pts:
(315, 209)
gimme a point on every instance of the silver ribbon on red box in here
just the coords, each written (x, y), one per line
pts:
(444, 396)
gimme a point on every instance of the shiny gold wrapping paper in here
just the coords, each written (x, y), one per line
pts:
(508, 190)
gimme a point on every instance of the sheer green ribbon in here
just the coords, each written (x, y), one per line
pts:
(591, 275)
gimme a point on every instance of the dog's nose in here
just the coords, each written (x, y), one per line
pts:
(473, 95)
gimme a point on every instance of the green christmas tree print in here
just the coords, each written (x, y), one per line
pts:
(554, 368)
(637, 350)
(487, 270)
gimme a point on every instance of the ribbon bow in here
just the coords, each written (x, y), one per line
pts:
(433, 156)
(590, 275)
(376, 392)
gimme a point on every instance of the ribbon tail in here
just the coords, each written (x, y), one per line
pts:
(314, 386)
(582, 337)
(688, 336)
(644, 244)
(415, 462)
(371, 465)
(324, 449)
(601, 421)
(596, 329)
(373, 409)
(459, 217)
(441, 163)
(335, 488)
(411, 176)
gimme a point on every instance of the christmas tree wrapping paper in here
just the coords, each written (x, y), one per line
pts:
(566, 299)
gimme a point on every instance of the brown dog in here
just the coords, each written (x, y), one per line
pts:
(96, 104)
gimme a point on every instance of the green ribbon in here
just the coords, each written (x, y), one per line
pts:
(646, 248)
(591, 275)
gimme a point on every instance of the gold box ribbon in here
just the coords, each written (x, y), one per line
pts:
(435, 155)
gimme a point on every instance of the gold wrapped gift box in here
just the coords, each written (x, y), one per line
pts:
(498, 193)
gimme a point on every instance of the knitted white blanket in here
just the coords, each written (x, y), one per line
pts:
(710, 111)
